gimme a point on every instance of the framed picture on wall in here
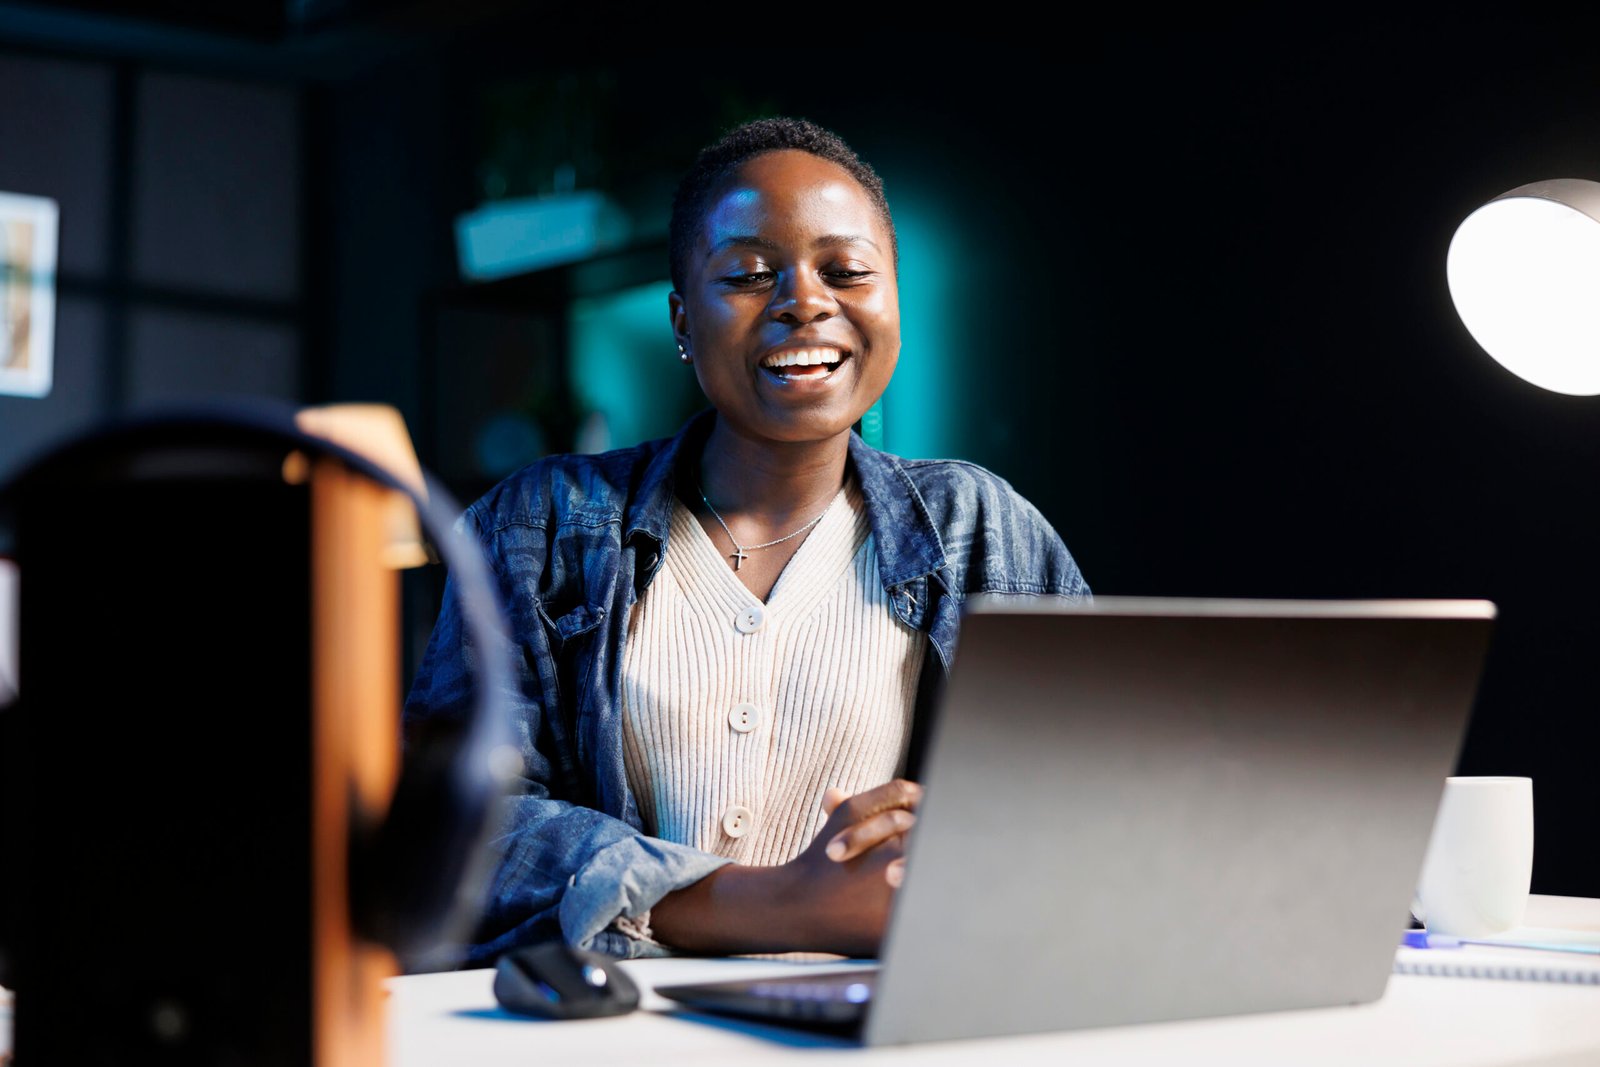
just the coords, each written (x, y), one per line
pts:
(28, 227)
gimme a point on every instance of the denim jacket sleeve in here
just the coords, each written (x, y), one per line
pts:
(564, 868)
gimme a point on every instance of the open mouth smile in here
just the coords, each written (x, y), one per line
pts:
(795, 365)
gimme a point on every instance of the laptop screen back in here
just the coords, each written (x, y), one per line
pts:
(1150, 810)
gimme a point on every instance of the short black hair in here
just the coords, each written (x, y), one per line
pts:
(740, 145)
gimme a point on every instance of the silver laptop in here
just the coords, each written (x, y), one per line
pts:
(1142, 810)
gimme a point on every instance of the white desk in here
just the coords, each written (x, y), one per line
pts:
(452, 1019)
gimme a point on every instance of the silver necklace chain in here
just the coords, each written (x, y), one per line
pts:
(740, 552)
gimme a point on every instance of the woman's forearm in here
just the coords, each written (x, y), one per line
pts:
(732, 910)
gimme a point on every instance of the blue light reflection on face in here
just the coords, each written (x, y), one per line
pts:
(857, 993)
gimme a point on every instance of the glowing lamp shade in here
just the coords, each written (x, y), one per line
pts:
(1524, 272)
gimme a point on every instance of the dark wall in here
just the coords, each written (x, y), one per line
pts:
(1288, 403)
(179, 276)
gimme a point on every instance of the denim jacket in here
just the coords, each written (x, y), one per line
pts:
(572, 543)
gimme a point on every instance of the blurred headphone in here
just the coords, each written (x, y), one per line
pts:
(415, 877)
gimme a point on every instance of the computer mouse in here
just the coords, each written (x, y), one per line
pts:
(557, 981)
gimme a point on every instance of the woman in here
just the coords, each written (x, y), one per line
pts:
(730, 639)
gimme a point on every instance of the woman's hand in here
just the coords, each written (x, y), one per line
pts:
(844, 881)
(833, 897)
(872, 818)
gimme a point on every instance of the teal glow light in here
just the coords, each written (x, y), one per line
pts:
(919, 419)
(624, 369)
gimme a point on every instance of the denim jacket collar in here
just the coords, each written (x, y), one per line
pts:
(649, 512)
(908, 542)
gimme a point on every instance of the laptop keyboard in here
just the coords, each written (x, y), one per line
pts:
(839, 999)
(850, 987)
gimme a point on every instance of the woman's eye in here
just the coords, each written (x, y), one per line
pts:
(847, 275)
(749, 279)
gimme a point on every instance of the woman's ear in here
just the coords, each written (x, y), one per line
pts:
(679, 314)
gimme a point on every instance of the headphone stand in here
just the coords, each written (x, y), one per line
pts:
(207, 720)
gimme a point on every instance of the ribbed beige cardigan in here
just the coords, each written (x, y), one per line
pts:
(738, 714)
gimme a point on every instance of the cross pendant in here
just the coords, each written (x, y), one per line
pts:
(739, 556)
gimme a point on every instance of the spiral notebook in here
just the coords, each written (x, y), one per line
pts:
(1507, 962)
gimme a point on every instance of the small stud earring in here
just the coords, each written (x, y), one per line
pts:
(684, 355)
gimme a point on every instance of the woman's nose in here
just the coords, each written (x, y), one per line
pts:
(801, 296)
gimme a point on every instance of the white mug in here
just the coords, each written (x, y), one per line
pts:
(1479, 866)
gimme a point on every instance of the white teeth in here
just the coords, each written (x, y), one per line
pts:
(803, 357)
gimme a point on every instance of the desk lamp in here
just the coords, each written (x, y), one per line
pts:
(1524, 271)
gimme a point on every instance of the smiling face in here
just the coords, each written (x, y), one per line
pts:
(790, 310)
